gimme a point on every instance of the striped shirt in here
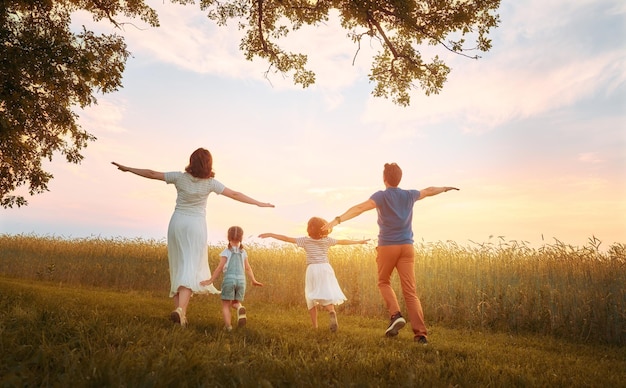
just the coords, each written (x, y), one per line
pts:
(192, 192)
(316, 250)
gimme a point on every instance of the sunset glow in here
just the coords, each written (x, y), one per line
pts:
(533, 133)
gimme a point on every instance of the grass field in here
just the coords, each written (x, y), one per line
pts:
(94, 312)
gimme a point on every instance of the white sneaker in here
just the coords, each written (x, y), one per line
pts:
(177, 316)
(241, 316)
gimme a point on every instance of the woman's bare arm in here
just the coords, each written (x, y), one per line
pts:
(143, 172)
(241, 197)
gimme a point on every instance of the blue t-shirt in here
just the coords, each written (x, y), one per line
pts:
(395, 215)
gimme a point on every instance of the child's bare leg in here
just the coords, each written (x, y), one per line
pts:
(226, 313)
(313, 313)
(333, 316)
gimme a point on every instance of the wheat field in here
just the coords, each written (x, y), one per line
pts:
(559, 290)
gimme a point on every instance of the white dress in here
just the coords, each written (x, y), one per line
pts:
(321, 285)
(187, 248)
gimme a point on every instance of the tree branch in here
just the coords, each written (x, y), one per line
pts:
(371, 20)
(106, 12)
(425, 33)
(260, 24)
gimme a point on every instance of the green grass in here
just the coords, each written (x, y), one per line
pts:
(66, 335)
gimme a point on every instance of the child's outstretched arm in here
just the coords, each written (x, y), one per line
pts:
(352, 242)
(216, 273)
(278, 237)
(251, 275)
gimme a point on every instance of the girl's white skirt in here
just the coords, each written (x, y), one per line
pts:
(321, 286)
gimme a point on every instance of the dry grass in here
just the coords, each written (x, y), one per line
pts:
(578, 293)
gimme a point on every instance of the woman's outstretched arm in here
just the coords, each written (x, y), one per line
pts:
(144, 172)
(241, 197)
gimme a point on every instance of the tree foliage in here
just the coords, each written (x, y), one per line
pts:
(47, 70)
(401, 27)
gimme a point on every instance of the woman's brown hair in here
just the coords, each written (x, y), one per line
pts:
(201, 164)
(314, 228)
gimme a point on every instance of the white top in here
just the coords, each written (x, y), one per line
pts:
(192, 192)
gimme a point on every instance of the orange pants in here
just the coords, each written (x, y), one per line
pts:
(401, 258)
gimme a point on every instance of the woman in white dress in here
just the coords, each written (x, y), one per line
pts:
(320, 286)
(187, 231)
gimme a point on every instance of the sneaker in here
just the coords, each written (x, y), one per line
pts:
(177, 316)
(421, 340)
(397, 323)
(228, 329)
(241, 316)
(333, 321)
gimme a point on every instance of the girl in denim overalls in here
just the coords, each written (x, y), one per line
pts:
(234, 264)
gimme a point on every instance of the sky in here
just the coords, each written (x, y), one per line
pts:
(533, 134)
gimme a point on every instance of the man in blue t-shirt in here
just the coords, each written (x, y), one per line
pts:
(395, 246)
